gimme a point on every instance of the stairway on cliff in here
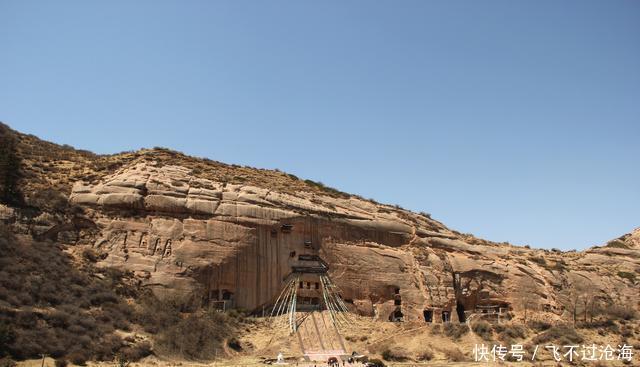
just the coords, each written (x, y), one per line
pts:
(319, 338)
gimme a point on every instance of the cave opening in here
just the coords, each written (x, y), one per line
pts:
(396, 316)
(226, 295)
(446, 317)
(460, 312)
(428, 315)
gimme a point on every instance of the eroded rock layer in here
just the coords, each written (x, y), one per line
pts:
(235, 244)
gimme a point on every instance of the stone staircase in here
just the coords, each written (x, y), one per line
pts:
(319, 338)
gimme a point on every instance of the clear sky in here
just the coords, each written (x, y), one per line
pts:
(513, 120)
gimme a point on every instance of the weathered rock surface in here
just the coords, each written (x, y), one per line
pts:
(231, 242)
(232, 234)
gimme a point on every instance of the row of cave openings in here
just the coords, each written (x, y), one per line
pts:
(398, 316)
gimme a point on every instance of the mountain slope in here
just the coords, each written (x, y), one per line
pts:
(224, 234)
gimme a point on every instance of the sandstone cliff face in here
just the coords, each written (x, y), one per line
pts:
(237, 243)
(232, 234)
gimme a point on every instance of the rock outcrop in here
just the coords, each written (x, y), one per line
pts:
(228, 234)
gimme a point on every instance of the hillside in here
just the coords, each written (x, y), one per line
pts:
(145, 244)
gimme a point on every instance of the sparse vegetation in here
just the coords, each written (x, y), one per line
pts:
(34, 274)
(455, 355)
(395, 354)
(627, 275)
(538, 260)
(10, 172)
(426, 355)
(455, 331)
(483, 329)
(619, 312)
(562, 334)
(617, 243)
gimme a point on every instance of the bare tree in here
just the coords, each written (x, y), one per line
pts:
(579, 297)
(527, 295)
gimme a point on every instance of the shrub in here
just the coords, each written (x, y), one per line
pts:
(397, 354)
(482, 329)
(539, 325)
(200, 336)
(7, 336)
(627, 275)
(61, 362)
(137, 351)
(621, 312)
(7, 362)
(90, 255)
(563, 334)
(455, 355)
(79, 357)
(436, 329)
(538, 260)
(514, 331)
(376, 362)
(426, 355)
(455, 331)
(10, 172)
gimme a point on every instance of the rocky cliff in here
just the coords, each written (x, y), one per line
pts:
(230, 235)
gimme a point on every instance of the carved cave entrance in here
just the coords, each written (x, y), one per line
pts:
(428, 315)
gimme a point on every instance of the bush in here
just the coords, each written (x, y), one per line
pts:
(376, 362)
(90, 255)
(539, 325)
(426, 355)
(10, 171)
(562, 334)
(436, 329)
(455, 355)
(627, 275)
(137, 351)
(7, 362)
(513, 331)
(200, 336)
(455, 331)
(538, 260)
(482, 329)
(61, 363)
(7, 336)
(621, 312)
(79, 357)
(396, 354)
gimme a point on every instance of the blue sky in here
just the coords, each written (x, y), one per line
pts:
(514, 121)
